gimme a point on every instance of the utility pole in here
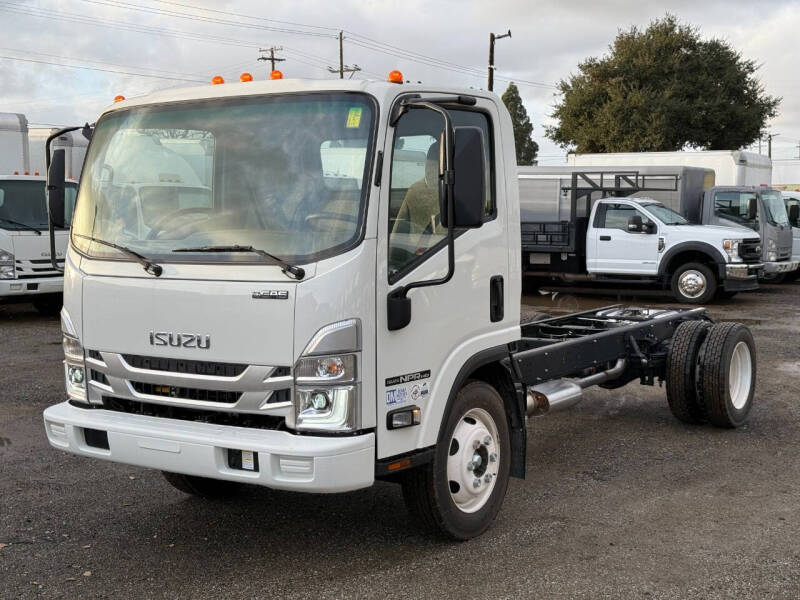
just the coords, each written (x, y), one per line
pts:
(492, 38)
(271, 58)
(769, 143)
(798, 151)
(343, 68)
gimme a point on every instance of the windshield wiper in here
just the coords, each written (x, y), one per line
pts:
(291, 270)
(148, 265)
(25, 225)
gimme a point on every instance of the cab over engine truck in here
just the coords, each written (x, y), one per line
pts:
(623, 229)
(345, 305)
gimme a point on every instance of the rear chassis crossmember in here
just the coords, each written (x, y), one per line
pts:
(580, 344)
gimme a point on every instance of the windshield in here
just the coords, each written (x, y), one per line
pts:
(23, 204)
(775, 208)
(665, 215)
(285, 174)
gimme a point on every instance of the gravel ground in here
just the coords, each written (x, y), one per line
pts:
(621, 500)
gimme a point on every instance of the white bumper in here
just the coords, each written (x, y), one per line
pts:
(35, 286)
(286, 461)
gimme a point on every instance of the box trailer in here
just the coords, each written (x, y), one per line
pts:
(14, 155)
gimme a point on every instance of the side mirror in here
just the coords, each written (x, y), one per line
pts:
(635, 224)
(469, 189)
(752, 209)
(55, 189)
(794, 214)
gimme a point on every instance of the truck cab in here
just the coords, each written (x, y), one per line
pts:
(761, 209)
(26, 271)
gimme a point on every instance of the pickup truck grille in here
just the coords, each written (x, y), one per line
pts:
(750, 250)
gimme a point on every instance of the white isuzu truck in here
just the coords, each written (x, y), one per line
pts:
(344, 306)
(26, 270)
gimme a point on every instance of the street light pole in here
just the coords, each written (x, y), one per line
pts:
(492, 38)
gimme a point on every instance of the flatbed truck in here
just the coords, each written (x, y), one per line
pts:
(328, 318)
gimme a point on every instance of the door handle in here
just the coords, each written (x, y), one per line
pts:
(496, 300)
(605, 238)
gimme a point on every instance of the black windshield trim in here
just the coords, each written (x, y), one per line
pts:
(366, 191)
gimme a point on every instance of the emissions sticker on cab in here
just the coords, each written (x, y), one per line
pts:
(354, 117)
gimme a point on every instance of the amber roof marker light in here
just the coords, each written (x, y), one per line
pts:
(245, 77)
(119, 98)
(217, 80)
(395, 77)
(276, 74)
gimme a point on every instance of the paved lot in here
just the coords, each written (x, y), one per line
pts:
(620, 501)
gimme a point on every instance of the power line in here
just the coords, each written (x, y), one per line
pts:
(132, 73)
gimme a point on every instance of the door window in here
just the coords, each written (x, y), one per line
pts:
(615, 216)
(415, 201)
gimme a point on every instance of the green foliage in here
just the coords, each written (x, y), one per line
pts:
(663, 89)
(523, 130)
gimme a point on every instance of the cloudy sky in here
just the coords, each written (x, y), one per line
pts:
(131, 47)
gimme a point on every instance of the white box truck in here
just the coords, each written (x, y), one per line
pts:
(26, 270)
(316, 328)
(73, 142)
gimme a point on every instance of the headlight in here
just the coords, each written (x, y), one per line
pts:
(772, 250)
(7, 270)
(327, 393)
(74, 368)
(732, 250)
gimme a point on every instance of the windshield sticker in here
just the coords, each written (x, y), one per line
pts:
(354, 117)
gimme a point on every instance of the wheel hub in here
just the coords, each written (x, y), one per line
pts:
(740, 375)
(473, 460)
(692, 283)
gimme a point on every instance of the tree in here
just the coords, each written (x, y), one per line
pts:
(663, 89)
(526, 147)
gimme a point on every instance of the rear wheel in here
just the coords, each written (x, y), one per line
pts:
(726, 378)
(203, 487)
(693, 283)
(682, 396)
(460, 492)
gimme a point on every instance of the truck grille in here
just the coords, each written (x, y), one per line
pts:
(750, 250)
(192, 367)
(186, 393)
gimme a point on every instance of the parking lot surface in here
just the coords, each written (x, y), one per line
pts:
(620, 500)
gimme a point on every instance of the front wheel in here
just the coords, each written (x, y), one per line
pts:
(460, 492)
(693, 283)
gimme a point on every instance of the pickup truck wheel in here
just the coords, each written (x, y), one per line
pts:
(203, 487)
(684, 351)
(460, 492)
(726, 378)
(693, 283)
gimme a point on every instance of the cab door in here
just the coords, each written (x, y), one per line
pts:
(417, 364)
(616, 249)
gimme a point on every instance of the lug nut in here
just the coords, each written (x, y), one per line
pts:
(476, 444)
(488, 478)
(470, 466)
(487, 441)
(492, 457)
(476, 483)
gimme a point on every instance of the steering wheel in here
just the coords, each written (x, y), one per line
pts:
(158, 226)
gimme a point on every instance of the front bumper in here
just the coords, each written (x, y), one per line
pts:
(784, 266)
(16, 288)
(286, 461)
(741, 277)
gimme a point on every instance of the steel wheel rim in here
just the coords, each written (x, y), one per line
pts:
(740, 376)
(692, 283)
(473, 460)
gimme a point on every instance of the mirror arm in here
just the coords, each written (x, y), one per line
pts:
(399, 296)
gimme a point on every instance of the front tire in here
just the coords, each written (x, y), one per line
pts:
(202, 487)
(461, 491)
(693, 283)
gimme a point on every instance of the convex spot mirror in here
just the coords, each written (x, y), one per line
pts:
(55, 190)
(469, 188)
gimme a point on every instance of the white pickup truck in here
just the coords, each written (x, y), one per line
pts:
(586, 226)
(320, 322)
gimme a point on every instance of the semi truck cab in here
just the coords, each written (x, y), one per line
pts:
(26, 271)
(342, 305)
